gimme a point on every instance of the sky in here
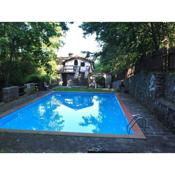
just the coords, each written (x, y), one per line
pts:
(75, 42)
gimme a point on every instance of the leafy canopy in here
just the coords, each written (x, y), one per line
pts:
(26, 47)
(124, 43)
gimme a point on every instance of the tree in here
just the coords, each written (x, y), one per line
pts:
(124, 43)
(25, 47)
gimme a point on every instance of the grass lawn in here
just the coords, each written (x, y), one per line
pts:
(83, 89)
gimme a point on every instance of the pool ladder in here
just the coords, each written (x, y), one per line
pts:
(133, 121)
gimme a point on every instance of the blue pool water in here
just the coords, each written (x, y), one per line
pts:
(98, 113)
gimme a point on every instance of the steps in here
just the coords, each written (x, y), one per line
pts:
(77, 69)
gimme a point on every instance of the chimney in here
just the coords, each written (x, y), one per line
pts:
(70, 55)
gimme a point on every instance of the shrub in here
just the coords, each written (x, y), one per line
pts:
(100, 81)
(35, 78)
(45, 78)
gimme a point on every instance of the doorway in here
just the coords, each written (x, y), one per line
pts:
(64, 78)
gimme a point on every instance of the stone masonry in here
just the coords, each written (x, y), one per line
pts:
(157, 92)
(10, 93)
(170, 87)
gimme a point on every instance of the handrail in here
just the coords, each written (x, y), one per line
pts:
(134, 117)
(133, 122)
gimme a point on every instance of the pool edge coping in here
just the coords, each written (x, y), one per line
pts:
(23, 105)
(136, 128)
(137, 135)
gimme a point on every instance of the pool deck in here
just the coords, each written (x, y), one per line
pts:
(158, 138)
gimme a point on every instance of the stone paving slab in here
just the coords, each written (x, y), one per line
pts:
(155, 128)
(46, 143)
(21, 100)
(158, 139)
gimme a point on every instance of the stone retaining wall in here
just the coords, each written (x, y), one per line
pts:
(157, 92)
(10, 93)
(170, 87)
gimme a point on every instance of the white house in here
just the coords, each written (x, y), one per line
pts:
(74, 70)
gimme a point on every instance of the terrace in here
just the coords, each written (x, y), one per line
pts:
(158, 137)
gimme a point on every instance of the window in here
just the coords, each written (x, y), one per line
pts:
(83, 64)
(75, 62)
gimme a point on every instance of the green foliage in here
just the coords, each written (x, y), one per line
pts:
(98, 68)
(51, 69)
(35, 78)
(124, 43)
(25, 47)
(100, 81)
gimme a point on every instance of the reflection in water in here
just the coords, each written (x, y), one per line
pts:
(97, 121)
(41, 110)
(70, 112)
(76, 102)
(50, 117)
(109, 119)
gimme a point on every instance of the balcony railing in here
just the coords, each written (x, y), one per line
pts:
(73, 69)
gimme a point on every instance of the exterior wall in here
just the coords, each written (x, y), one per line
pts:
(82, 68)
(68, 68)
(148, 88)
(71, 62)
(60, 66)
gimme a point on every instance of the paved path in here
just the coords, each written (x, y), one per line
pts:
(158, 139)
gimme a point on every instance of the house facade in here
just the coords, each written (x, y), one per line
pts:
(74, 70)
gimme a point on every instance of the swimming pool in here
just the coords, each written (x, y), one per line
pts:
(72, 113)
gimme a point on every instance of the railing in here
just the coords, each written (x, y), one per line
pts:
(133, 122)
(69, 69)
(72, 69)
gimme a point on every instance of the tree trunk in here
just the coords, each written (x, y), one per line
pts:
(154, 37)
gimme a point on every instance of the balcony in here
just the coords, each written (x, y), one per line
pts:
(73, 69)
